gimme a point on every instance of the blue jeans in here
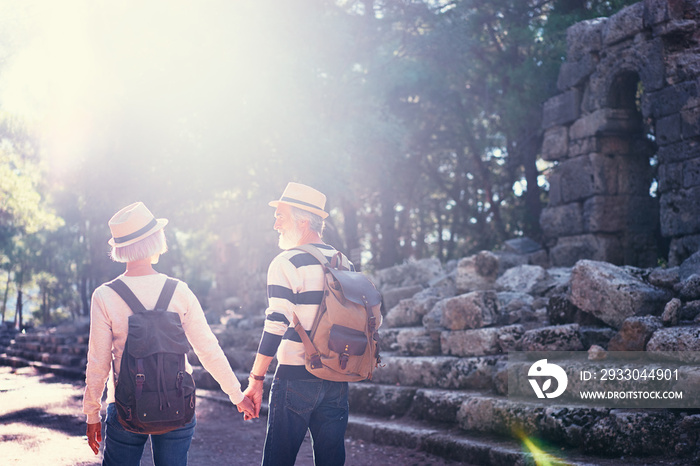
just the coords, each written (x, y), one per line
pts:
(316, 405)
(125, 448)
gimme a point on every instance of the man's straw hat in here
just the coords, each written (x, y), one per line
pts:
(303, 197)
(133, 223)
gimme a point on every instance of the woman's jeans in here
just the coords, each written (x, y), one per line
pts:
(316, 405)
(125, 448)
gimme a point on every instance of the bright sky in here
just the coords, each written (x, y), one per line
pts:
(84, 72)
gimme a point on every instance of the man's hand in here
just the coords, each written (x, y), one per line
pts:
(247, 408)
(254, 392)
(94, 436)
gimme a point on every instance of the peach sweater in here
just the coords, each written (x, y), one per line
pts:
(109, 326)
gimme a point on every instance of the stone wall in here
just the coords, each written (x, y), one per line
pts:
(626, 120)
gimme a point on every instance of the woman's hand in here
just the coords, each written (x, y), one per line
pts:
(94, 436)
(247, 408)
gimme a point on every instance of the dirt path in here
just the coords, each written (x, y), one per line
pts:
(41, 423)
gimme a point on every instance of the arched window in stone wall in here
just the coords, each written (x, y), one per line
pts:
(629, 143)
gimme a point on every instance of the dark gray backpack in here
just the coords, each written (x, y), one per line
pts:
(154, 393)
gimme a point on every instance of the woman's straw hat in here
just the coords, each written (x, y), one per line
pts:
(133, 223)
(303, 197)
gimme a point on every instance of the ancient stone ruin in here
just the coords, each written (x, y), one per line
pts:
(624, 136)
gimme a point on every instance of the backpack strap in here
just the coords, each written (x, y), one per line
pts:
(133, 302)
(309, 348)
(127, 295)
(338, 261)
(166, 294)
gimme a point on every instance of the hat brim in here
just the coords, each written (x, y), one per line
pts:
(160, 224)
(321, 213)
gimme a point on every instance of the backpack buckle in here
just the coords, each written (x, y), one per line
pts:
(315, 361)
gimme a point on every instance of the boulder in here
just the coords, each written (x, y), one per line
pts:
(419, 272)
(613, 294)
(689, 266)
(690, 288)
(675, 339)
(418, 342)
(471, 310)
(409, 312)
(391, 297)
(522, 279)
(634, 334)
(477, 272)
(553, 338)
(479, 342)
(664, 278)
(671, 312)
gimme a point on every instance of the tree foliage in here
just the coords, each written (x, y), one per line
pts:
(419, 119)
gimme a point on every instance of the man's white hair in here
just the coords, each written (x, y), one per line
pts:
(316, 223)
(150, 246)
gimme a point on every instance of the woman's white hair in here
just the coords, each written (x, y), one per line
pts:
(316, 223)
(151, 245)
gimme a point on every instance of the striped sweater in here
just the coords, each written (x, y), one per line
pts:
(295, 283)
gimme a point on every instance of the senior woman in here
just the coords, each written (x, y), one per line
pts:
(138, 240)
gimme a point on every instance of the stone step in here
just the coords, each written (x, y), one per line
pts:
(476, 373)
(473, 448)
(624, 432)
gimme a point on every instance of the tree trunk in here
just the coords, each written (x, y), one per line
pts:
(533, 204)
(388, 252)
(350, 229)
(18, 310)
(85, 303)
(5, 295)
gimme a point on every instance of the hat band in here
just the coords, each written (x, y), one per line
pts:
(136, 234)
(297, 201)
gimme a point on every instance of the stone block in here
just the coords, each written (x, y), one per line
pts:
(690, 122)
(675, 339)
(682, 248)
(409, 312)
(578, 179)
(584, 37)
(680, 212)
(661, 11)
(471, 310)
(418, 341)
(583, 146)
(678, 152)
(574, 73)
(604, 121)
(672, 99)
(380, 400)
(553, 338)
(477, 272)
(562, 220)
(670, 177)
(433, 405)
(465, 343)
(555, 143)
(612, 293)
(668, 129)
(570, 249)
(624, 24)
(691, 173)
(561, 109)
(392, 296)
(634, 333)
(609, 214)
(522, 279)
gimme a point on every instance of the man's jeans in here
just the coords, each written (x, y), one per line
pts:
(296, 406)
(125, 448)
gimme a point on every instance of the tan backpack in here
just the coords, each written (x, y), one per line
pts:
(342, 343)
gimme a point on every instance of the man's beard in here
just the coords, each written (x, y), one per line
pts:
(290, 238)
